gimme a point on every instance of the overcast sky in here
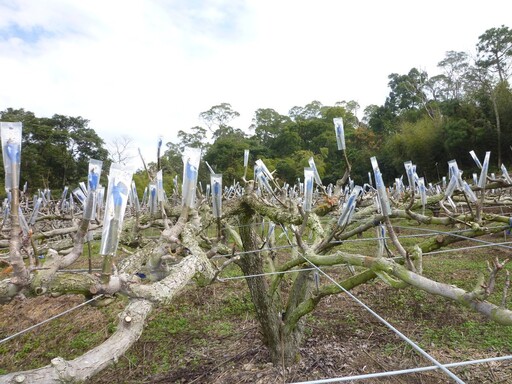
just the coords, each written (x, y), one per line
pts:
(148, 68)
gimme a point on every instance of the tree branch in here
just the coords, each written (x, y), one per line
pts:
(81, 369)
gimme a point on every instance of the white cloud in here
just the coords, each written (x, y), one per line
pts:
(148, 68)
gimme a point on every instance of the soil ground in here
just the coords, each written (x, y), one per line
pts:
(341, 340)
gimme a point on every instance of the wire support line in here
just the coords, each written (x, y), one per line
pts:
(401, 236)
(78, 270)
(266, 274)
(377, 238)
(445, 232)
(404, 371)
(389, 325)
(466, 248)
(462, 236)
(50, 319)
(449, 233)
(254, 251)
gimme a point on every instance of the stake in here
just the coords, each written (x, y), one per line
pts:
(89, 251)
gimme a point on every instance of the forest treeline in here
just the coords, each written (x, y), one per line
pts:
(55, 151)
(426, 119)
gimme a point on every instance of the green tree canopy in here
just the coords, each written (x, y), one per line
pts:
(495, 51)
(55, 151)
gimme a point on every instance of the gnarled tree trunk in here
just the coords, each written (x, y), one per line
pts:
(282, 342)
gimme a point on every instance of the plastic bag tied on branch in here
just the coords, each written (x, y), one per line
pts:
(79, 195)
(475, 159)
(35, 212)
(307, 203)
(423, 192)
(11, 151)
(191, 158)
(455, 182)
(349, 207)
(506, 176)
(134, 198)
(312, 165)
(93, 181)
(246, 162)
(152, 199)
(119, 180)
(410, 170)
(340, 133)
(383, 200)
(216, 188)
(485, 167)
(160, 192)
(262, 175)
(309, 177)
(263, 168)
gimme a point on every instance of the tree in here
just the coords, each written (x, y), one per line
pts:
(362, 145)
(226, 154)
(351, 107)
(81, 141)
(224, 131)
(119, 149)
(171, 162)
(58, 149)
(451, 83)
(309, 111)
(219, 116)
(380, 119)
(287, 142)
(412, 94)
(196, 139)
(406, 90)
(421, 141)
(494, 50)
(489, 75)
(267, 124)
(309, 128)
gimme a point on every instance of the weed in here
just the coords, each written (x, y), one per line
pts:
(163, 326)
(235, 305)
(83, 340)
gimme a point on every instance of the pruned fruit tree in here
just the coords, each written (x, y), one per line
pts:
(247, 223)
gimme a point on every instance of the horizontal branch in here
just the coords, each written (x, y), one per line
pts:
(81, 369)
(500, 315)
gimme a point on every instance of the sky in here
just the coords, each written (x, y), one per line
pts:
(147, 69)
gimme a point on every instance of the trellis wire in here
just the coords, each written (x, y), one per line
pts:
(50, 319)
(466, 248)
(452, 233)
(309, 269)
(389, 325)
(266, 274)
(461, 236)
(398, 372)
(404, 371)
(255, 251)
(387, 237)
